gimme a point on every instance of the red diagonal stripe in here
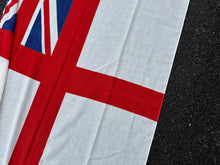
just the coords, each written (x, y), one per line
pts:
(7, 8)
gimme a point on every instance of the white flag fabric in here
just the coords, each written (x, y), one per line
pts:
(82, 81)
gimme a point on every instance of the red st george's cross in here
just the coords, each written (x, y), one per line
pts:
(58, 74)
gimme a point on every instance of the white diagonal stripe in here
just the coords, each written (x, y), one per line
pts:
(42, 32)
(53, 24)
(19, 3)
(13, 10)
(39, 6)
(7, 5)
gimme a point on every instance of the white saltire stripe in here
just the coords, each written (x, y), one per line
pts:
(36, 12)
(53, 24)
(19, 3)
(13, 10)
(7, 5)
(42, 30)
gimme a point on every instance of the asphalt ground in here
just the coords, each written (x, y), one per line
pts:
(188, 131)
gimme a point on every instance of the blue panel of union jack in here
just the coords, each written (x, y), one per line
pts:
(35, 36)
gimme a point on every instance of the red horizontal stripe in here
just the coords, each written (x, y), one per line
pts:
(113, 91)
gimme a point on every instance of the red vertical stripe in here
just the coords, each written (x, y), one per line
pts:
(47, 69)
(6, 38)
(47, 27)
